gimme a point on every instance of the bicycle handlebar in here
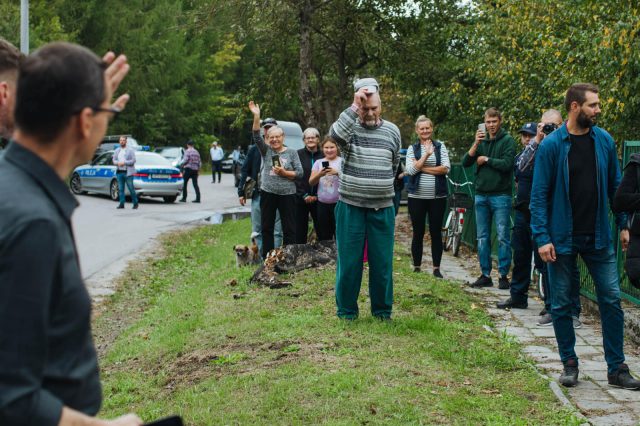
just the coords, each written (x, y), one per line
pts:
(458, 185)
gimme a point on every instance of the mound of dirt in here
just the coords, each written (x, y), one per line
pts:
(294, 258)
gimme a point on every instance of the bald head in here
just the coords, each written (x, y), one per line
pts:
(552, 116)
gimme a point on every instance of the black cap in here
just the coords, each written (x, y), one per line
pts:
(269, 122)
(190, 142)
(529, 128)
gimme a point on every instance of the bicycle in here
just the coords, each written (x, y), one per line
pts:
(459, 202)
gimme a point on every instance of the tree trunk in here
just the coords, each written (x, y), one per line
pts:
(306, 10)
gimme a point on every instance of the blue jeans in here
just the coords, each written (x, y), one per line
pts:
(256, 226)
(498, 208)
(122, 178)
(523, 246)
(602, 268)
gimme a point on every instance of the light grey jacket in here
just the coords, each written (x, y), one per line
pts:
(129, 159)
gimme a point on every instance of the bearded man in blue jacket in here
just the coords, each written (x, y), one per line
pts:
(576, 176)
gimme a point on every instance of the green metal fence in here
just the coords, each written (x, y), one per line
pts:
(460, 175)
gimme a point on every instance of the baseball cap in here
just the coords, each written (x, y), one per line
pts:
(529, 128)
(371, 84)
(269, 122)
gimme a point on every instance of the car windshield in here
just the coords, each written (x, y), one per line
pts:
(169, 152)
(151, 160)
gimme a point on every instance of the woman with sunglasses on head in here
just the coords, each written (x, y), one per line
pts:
(280, 167)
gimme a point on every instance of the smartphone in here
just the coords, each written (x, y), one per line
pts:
(325, 164)
(482, 127)
(275, 160)
(167, 421)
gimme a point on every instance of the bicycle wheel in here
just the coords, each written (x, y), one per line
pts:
(457, 235)
(451, 222)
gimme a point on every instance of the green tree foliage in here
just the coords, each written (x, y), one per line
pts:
(527, 53)
(196, 63)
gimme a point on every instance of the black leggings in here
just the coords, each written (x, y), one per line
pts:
(326, 229)
(285, 205)
(418, 211)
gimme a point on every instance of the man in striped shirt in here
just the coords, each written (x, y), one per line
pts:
(370, 148)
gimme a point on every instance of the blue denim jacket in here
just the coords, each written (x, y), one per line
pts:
(551, 219)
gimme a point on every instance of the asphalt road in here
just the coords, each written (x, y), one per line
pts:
(108, 238)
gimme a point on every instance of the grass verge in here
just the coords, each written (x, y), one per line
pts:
(195, 338)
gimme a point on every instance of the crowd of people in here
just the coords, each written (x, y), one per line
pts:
(566, 174)
(567, 178)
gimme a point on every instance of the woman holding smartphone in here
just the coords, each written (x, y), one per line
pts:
(326, 174)
(427, 166)
(280, 167)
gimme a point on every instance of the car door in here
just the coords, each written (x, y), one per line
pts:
(88, 174)
(105, 172)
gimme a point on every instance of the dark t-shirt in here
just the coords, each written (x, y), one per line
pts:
(583, 192)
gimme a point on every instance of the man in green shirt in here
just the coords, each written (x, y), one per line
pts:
(493, 152)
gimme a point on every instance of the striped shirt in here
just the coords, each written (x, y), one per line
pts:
(370, 158)
(427, 183)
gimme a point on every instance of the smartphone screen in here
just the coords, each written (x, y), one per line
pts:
(275, 160)
(325, 164)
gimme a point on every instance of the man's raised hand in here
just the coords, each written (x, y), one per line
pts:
(117, 69)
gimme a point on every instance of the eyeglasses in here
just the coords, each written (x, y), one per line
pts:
(114, 111)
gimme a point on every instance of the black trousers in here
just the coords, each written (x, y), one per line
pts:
(216, 166)
(303, 210)
(418, 211)
(269, 204)
(193, 175)
(326, 225)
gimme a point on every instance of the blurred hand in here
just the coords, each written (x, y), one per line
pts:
(254, 108)
(539, 133)
(279, 171)
(547, 253)
(480, 135)
(242, 201)
(310, 199)
(482, 160)
(126, 420)
(624, 239)
(116, 70)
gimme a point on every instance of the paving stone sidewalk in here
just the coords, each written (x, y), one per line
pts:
(593, 398)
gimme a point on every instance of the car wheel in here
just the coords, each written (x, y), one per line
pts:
(76, 185)
(113, 190)
(170, 199)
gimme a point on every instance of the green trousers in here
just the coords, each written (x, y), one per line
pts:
(353, 226)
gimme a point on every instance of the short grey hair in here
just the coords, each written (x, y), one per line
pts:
(311, 131)
(273, 129)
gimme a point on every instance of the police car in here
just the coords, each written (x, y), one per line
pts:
(155, 177)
